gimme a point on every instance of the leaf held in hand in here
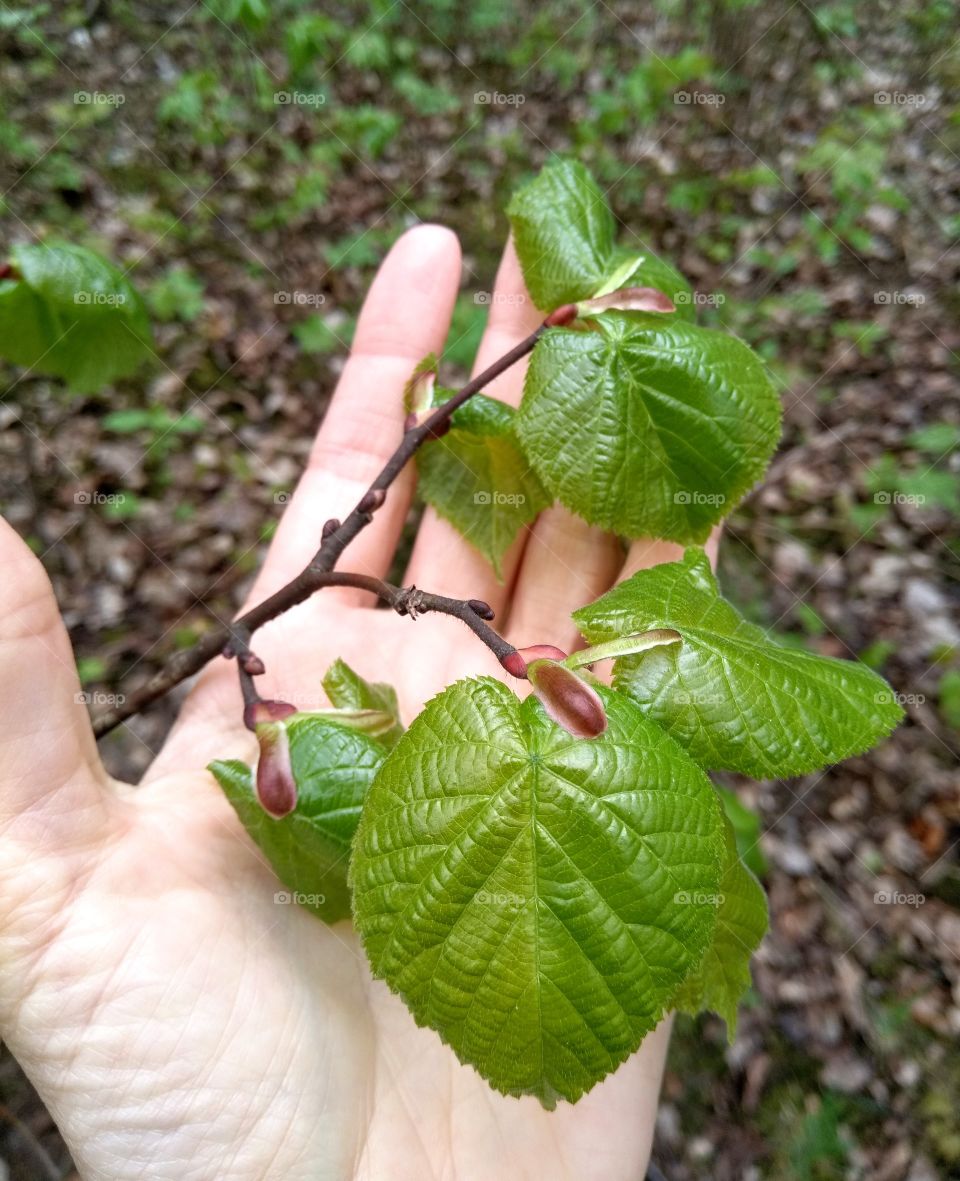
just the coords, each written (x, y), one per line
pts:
(730, 693)
(522, 890)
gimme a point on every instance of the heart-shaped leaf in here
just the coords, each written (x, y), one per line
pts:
(526, 892)
(563, 233)
(478, 479)
(309, 848)
(73, 314)
(733, 696)
(647, 425)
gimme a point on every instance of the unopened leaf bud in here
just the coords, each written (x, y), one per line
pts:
(276, 786)
(479, 607)
(627, 299)
(372, 500)
(567, 698)
(329, 527)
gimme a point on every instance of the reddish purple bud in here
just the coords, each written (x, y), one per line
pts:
(258, 712)
(329, 527)
(516, 662)
(252, 665)
(561, 316)
(372, 500)
(628, 299)
(479, 607)
(276, 787)
(567, 699)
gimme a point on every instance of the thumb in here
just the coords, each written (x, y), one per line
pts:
(49, 768)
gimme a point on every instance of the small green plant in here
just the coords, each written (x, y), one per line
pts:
(541, 879)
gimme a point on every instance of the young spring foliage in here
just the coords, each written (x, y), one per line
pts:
(541, 880)
(68, 312)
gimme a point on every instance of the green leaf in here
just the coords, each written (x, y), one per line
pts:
(730, 693)
(724, 974)
(563, 232)
(518, 887)
(346, 689)
(477, 477)
(309, 849)
(72, 314)
(648, 426)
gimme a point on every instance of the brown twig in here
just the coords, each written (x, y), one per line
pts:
(233, 639)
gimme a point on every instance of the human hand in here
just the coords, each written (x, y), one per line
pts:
(176, 1021)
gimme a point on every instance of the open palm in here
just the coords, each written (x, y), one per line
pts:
(176, 1020)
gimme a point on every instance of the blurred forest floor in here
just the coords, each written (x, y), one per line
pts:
(800, 162)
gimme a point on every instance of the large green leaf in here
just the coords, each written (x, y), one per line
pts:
(648, 425)
(309, 849)
(72, 314)
(724, 974)
(733, 696)
(563, 232)
(477, 477)
(525, 891)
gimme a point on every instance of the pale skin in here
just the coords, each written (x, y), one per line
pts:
(176, 1021)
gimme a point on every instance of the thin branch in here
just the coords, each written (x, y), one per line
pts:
(233, 640)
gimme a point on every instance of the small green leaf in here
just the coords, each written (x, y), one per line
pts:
(309, 849)
(648, 270)
(647, 425)
(563, 232)
(72, 314)
(724, 974)
(346, 689)
(731, 694)
(477, 477)
(519, 887)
